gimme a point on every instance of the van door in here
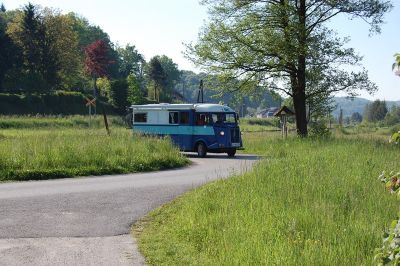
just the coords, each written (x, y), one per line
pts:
(185, 131)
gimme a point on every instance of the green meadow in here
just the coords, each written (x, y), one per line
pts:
(307, 202)
(33, 148)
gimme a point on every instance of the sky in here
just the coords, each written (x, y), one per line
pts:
(161, 27)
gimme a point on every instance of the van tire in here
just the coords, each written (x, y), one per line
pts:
(201, 149)
(231, 153)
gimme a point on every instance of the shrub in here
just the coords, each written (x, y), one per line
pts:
(319, 129)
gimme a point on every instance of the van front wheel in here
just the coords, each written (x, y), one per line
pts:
(231, 153)
(201, 150)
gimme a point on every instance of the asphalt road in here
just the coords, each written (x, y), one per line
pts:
(86, 221)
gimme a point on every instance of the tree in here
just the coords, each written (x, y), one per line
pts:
(393, 117)
(2, 8)
(97, 61)
(135, 95)
(10, 54)
(356, 117)
(157, 77)
(375, 111)
(131, 61)
(340, 119)
(119, 94)
(281, 44)
(48, 47)
(172, 74)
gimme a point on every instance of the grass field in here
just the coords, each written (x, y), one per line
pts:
(307, 202)
(46, 148)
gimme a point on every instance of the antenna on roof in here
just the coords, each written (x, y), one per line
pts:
(200, 92)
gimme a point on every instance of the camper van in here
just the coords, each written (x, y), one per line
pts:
(197, 128)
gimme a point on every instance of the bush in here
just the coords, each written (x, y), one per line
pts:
(59, 102)
(319, 129)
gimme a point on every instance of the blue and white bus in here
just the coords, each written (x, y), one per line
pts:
(197, 128)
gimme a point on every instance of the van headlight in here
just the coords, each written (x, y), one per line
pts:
(222, 133)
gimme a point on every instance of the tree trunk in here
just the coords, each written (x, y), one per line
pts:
(299, 102)
(299, 95)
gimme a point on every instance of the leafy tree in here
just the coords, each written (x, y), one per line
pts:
(87, 33)
(157, 77)
(10, 54)
(2, 8)
(63, 46)
(375, 111)
(48, 47)
(282, 44)
(97, 61)
(104, 86)
(135, 94)
(172, 76)
(356, 117)
(340, 119)
(119, 94)
(131, 61)
(393, 117)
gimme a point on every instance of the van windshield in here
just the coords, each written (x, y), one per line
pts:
(223, 118)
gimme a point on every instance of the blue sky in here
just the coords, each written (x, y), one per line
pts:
(159, 27)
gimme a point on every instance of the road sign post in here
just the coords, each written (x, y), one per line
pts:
(90, 103)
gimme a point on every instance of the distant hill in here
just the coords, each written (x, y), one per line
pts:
(357, 104)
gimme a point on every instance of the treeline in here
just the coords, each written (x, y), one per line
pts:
(43, 51)
(375, 112)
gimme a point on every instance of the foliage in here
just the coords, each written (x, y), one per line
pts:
(396, 64)
(97, 58)
(340, 119)
(395, 138)
(356, 117)
(172, 74)
(393, 116)
(157, 79)
(375, 111)
(59, 102)
(319, 129)
(389, 253)
(135, 95)
(49, 49)
(309, 202)
(47, 154)
(286, 46)
(119, 94)
(130, 61)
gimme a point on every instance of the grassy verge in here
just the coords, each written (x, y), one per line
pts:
(309, 202)
(27, 154)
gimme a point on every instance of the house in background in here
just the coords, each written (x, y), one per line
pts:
(267, 113)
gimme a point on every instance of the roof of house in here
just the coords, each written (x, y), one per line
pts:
(284, 110)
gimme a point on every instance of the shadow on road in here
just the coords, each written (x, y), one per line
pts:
(222, 156)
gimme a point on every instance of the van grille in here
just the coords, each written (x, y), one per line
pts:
(235, 135)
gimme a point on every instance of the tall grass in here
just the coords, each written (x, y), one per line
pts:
(308, 202)
(27, 154)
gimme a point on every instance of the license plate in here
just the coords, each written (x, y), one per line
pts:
(235, 144)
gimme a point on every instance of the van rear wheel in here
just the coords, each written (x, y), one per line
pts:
(201, 150)
(231, 153)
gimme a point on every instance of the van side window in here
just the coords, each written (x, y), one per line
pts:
(173, 117)
(203, 119)
(184, 118)
(140, 117)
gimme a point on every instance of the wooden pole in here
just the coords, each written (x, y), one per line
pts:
(105, 120)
